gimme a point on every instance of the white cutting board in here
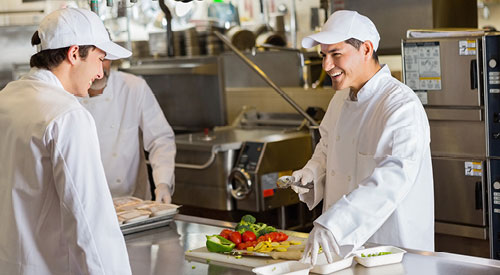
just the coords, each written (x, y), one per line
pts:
(249, 262)
(245, 262)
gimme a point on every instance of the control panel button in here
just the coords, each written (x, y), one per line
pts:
(492, 63)
(496, 185)
(244, 159)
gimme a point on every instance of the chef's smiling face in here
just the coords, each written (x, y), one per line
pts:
(343, 63)
(87, 70)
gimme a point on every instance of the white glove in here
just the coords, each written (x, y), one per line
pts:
(305, 176)
(320, 236)
(163, 193)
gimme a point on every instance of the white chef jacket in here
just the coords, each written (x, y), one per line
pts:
(129, 120)
(55, 207)
(372, 168)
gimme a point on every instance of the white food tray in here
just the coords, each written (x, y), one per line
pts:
(323, 267)
(396, 256)
(288, 267)
(149, 223)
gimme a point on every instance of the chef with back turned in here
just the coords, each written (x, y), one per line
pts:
(55, 206)
(372, 166)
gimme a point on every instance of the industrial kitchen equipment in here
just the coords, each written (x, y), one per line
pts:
(457, 77)
(190, 90)
(236, 167)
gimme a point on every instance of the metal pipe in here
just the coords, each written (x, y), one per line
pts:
(170, 35)
(205, 165)
(293, 24)
(263, 75)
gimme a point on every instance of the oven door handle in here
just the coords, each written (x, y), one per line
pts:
(473, 74)
(479, 195)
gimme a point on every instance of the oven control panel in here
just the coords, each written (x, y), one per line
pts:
(491, 77)
(250, 156)
(492, 91)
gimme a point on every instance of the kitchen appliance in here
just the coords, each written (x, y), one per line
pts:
(190, 90)
(456, 74)
(237, 169)
(252, 181)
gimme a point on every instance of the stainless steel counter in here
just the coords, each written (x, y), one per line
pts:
(161, 251)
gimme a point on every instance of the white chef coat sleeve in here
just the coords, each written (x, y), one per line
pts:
(89, 221)
(159, 139)
(355, 217)
(317, 163)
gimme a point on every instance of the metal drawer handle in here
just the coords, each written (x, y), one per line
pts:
(479, 195)
(209, 162)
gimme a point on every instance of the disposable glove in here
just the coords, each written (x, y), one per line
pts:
(320, 236)
(163, 193)
(304, 176)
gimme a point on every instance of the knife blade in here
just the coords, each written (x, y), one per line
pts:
(247, 253)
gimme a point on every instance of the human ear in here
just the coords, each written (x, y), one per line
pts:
(73, 54)
(367, 48)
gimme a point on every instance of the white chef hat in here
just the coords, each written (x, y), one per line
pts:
(70, 26)
(343, 25)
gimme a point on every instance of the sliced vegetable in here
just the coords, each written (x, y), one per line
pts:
(225, 233)
(235, 237)
(375, 254)
(216, 243)
(248, 236)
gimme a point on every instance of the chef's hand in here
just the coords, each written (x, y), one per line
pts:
(305, 176)
(320, 236)
(163, 193)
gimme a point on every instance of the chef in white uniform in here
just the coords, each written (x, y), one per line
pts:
(372, 166)
(55, 206)
(129, 120)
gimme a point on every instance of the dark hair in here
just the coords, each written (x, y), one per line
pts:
(357, 43)
(48, 59)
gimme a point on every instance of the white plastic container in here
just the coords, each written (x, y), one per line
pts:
(323, 267)
(396, 256)
(288, 267)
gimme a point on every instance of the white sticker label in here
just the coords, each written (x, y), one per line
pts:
(467, 47)
(473, 169)
(422, 66)
(422, 96)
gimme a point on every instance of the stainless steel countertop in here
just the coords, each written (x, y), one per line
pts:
(161, 251)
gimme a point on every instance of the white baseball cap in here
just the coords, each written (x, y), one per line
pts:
(69, 26)
(343, 25)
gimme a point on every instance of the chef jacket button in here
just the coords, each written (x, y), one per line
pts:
(348, 178)
(338, 138)
(107, 99)
(118, 180)
(353, 140)
(332, 173)
(115, 155)
(112, 126)
(85, 102)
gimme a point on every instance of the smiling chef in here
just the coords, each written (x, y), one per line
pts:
(372, 166)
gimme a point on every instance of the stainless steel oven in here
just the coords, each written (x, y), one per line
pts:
(457, 77)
